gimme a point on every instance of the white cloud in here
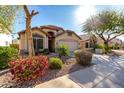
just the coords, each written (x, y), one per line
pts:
(84, 12)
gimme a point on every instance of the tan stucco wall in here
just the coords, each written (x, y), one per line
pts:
(85, 39)
(82, 45)
(99, 41)
(65, 36)
(24, 43)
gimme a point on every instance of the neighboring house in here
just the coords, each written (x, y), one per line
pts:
(5, 39)
(49, 37)
(116, 42)
(86, 42)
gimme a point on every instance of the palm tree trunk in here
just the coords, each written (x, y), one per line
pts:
(28, 32)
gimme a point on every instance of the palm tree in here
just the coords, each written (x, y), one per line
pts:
(7, 17)
(29, 16)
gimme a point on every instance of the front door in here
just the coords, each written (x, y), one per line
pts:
(52, 44)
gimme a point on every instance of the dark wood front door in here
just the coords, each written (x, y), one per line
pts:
(52, 44)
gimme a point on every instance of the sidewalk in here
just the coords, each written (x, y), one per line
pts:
(107, 74)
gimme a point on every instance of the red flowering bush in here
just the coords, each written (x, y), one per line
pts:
(29, 68)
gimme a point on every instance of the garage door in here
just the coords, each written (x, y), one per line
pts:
(73, 45)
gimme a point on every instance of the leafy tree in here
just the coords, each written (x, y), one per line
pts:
(107, 25)
(7, 17)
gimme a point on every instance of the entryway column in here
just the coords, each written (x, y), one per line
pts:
(46, 42)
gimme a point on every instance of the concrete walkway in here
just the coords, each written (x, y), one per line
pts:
(107, 73)
(118, 52)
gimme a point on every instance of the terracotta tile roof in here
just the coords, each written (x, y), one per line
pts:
(23, 31)
(52, 27)
(34, 28)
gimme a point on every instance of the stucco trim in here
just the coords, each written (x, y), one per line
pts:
(52, 27)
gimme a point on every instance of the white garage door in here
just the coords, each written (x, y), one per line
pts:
(73, 45)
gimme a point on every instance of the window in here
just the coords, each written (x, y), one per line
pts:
(86, 45)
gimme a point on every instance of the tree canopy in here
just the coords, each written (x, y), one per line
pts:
(7, 17)
(107, 24)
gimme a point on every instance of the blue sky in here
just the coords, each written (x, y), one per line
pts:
(66, 16)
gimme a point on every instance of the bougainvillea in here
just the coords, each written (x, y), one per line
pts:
(29, 68)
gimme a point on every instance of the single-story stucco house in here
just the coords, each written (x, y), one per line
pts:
(6, 37)
(87, 44)
(49, 37)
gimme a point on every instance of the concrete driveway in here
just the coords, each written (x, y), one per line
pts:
(108, 73)
(118, 52)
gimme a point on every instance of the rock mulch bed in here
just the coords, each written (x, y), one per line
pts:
(70, 66)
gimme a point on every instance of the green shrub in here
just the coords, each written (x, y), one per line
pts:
(7, 54)
(98, 46)
(40, 50)
(107, 49)
(55, 63)
(44, 51)
(63, 50)
(83, 57)
(115, 46)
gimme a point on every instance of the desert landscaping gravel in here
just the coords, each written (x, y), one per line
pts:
(71, 66)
